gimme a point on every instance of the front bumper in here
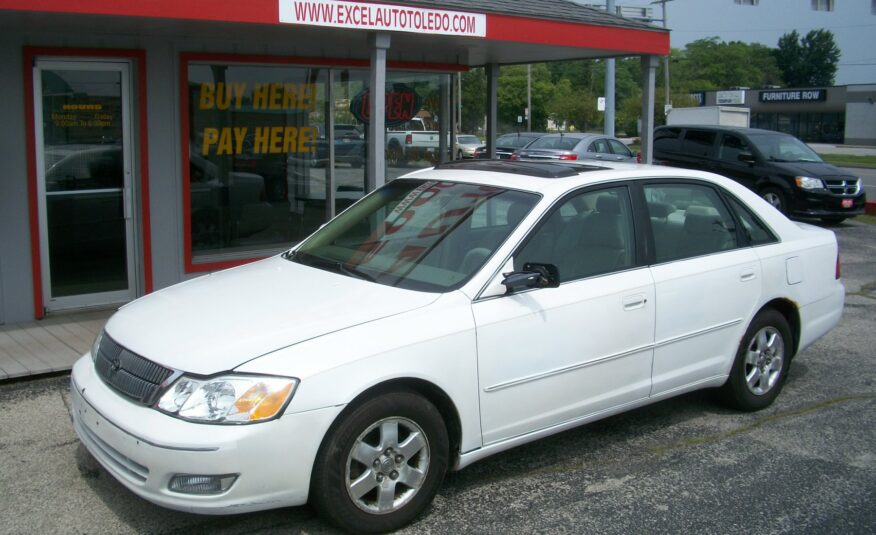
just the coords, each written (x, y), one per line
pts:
(816, 204)
(144, 449)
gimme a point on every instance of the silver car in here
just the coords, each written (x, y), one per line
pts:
(466, 146)
(576, 147)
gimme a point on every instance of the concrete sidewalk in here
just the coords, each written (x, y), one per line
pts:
(49, 345)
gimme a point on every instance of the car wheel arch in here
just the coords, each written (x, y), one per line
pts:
(428, 390)
(791, 313)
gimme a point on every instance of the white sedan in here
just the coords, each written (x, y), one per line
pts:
(450, 315)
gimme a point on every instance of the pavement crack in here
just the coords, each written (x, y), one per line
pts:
(760, 422)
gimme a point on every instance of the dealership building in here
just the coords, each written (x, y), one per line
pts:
(146, 143)
(843, 114)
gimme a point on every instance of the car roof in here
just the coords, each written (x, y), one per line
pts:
(737, 129)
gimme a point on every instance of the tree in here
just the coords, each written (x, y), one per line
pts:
(810, 61)
(708, 64)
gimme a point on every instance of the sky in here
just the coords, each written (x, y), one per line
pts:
(853, 23)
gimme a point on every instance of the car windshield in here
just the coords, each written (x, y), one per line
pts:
(513, 140)
(468, 140)
(783, 148)
(420, 235)
(555, 143)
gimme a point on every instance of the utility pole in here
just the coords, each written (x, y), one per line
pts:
(528, 97)
(667, 102)
(608, 127)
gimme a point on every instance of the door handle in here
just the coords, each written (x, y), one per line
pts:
(746, 276)
(632, 302)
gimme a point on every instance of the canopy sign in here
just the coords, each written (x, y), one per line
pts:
(363, 16)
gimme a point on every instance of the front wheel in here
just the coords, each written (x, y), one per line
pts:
(381, 464)
(776, 198)
(761, 363)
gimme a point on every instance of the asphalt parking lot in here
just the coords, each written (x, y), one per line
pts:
(807, 464)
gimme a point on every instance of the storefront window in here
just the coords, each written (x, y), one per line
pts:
(259, 151)
(256, 168)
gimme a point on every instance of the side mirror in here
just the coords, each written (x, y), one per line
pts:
(532, 276)
(747, 157)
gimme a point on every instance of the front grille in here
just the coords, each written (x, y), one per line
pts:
(129, 374)
(843, 185)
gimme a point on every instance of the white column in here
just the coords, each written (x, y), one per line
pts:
(649, 72)
(376, 170)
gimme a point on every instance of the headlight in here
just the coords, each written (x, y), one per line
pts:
(95, 347)
(229, 399)
(807, 182)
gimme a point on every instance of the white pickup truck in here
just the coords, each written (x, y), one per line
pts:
(411, 141)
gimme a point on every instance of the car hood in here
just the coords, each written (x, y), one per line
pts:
(217, 322)
(813, 169)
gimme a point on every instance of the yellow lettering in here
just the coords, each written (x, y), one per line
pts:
(289, 100)
(289, 138)
(307, 97)
(224, 145)
(276, 139)
(239, 136)
(211, 136)
(239, 89)
(206, 101)
(260, 96)
(276, 97)
(223, 96)
(306, 137)
(260, 140)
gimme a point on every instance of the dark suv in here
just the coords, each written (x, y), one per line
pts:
(781, 168)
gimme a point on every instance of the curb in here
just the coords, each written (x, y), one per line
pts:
(870, 208)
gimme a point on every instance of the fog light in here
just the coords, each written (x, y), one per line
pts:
(194, 484)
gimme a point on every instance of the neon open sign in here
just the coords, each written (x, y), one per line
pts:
(402, 104)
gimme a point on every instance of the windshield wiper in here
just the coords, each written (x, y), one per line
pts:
(308, 259)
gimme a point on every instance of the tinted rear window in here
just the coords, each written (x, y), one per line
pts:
(699, 142)
(556, 143)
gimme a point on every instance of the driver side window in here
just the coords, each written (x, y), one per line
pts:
(588, 234)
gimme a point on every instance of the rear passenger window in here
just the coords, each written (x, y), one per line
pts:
(598, 146)
(666, 139)
(688, 220)
(754, 229)
(698, 142)
(589, 234)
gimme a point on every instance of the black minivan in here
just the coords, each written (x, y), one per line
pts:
(781, 168)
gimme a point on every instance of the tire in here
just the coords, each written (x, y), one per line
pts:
(776, 198)
(833, 220)
(381, 463)
(761, 363)
(395, 155)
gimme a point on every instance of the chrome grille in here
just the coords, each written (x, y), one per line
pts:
(129, 374)
(843, 185)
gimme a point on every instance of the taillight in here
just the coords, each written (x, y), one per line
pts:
(838, 270)
(639, 157)
(409, 139)
(514, 156)
(568, 156)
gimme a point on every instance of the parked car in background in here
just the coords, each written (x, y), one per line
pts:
(575, 146)
(413, 140)
(466, 145)
(778, 166)
(349, 146)
(450, 315)
(506, 144)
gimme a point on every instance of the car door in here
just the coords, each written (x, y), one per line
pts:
(728, 163)
(620, 152)
(706, 284)
(598, 150)
(550, 356)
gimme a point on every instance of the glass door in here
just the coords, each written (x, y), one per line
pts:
(84, 180)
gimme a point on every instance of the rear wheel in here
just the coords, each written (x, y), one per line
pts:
(761, 363)
(776, 198)
(381, 464)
